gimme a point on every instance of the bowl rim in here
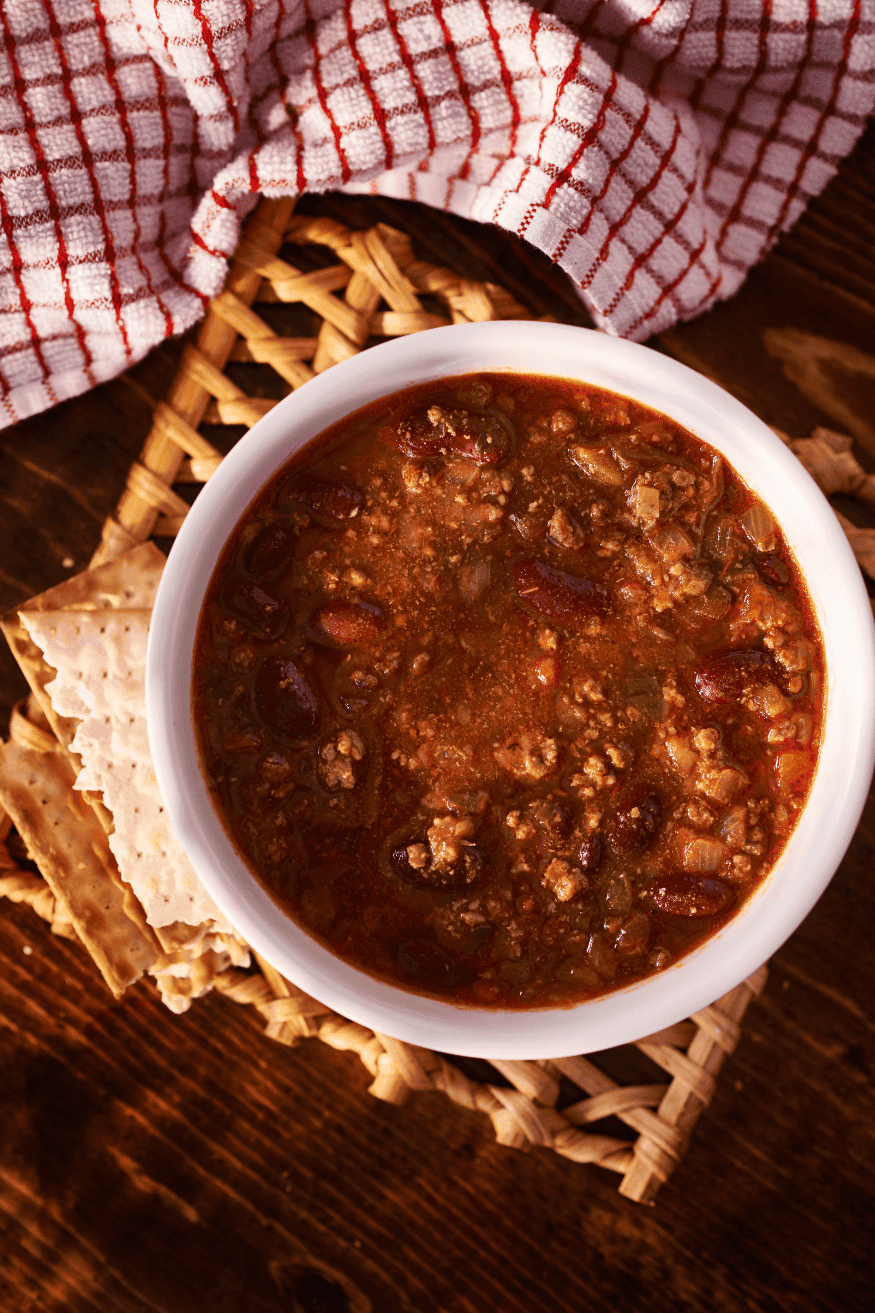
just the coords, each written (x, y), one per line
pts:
(838, 595)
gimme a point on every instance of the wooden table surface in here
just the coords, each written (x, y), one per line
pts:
(160, 1164)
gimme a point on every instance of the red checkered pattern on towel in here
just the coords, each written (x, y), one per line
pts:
(654, 148)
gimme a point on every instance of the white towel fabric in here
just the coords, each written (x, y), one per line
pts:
(654, 148)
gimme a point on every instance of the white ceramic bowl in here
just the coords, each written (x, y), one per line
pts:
(813, 532)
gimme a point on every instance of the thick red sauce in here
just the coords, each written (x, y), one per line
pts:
(508, 690)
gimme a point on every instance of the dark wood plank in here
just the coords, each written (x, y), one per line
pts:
(154, 1164)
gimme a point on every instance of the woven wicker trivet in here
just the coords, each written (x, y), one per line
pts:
(242, 364)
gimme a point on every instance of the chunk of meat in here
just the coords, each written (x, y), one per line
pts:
(563, 880)
(563, 531)
(446, 837)
(337, 760)
(527, 756)
(447, 859)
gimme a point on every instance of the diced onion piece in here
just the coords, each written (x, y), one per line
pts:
(653, 428)
(681, 754)
(769, 701)
(462, 472)
(712, 604)
(244, 742)
(791, 771)
(796, 656)
(671, 542)
(804, 728)
(733, 827)
(703, 856)
(598, 465)
(718, 542)
(474, 579)
(720, 783)
(758, 524)
(644, 502)
(413, 535)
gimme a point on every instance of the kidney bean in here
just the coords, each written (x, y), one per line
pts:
(617, 896)
(561, 597)
(347, 624)
(591, 853)
(461, 874)
(330, 502)
(636, 822)
(253, 795)
(283, 698)
(486, 437)
(270, 551)
(634, 934)
(728, 676)
(555, 818)
(772, 570)
(575, 971)
(691, 895)
(600, 953)
(259, 609)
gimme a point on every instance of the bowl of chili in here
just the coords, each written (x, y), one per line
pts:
(530, 707)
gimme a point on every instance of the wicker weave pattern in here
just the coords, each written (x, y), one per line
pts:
(384, 293)
(523, 1111)
(378, 268)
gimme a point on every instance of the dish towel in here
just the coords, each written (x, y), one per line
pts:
(655, 149)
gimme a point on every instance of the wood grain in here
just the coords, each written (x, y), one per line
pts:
(154, 1164)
